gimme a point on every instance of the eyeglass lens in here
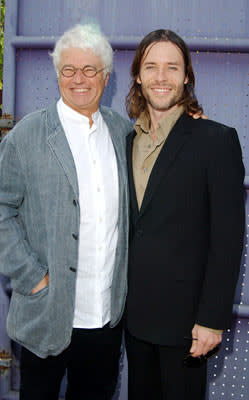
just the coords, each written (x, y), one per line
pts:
(89, 71)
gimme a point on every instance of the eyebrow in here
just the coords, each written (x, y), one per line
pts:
(169, 63)
(85, 66)
(173, 63)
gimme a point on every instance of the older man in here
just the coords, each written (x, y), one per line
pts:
(63, 229)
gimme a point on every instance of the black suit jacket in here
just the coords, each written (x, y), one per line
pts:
(186, 240)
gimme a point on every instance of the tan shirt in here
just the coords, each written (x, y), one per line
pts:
(145, 153)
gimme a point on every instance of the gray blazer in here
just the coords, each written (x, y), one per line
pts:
(39, 223)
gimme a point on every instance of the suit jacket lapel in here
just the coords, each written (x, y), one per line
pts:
(113, 128)
(168, 154)
(117, 141)
(133, 196)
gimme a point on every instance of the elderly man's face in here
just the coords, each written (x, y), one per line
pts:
(80, 93)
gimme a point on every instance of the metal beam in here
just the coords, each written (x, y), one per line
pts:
(241, 310)
(9, 65)
(246, 182)
(131, 42)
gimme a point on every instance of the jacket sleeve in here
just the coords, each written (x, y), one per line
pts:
(225, 176)
(17, 260)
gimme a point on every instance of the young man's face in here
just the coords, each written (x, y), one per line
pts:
(79, 92)
(162, 76)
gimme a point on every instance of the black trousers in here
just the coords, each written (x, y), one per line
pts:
(91, 362)
(157, 372)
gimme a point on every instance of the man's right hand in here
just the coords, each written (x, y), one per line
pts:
(204, 340)
(41, 285)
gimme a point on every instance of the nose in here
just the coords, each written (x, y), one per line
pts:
(162, 74)
(78, 77)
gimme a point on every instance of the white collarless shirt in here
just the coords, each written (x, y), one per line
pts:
(97, 174)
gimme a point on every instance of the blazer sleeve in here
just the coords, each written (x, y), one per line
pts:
(17, 260)
(225, 176)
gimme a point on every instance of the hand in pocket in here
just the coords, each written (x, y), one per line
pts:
(41, 285)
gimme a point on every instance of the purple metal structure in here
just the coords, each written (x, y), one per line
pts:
(218, 35)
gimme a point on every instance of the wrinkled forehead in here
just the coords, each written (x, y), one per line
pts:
(80, 57)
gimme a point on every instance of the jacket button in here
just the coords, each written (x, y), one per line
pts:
(74, 202)
(75, 236)
(139, 232)
(72, 269)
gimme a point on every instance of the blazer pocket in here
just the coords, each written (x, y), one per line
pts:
(30, 313)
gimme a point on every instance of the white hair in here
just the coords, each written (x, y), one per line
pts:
(88, 36)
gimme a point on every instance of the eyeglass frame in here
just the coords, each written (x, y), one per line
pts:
(82, 70)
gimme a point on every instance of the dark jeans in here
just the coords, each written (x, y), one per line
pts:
(91, 362)
(157, 373)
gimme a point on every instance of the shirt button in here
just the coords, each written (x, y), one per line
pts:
(98, 189)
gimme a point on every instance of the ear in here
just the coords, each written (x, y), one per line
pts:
(186, 80)
(107, 78)
(138, 80)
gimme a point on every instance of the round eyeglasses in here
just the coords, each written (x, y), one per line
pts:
(88, 71)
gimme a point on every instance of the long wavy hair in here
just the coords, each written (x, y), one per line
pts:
(135, 101)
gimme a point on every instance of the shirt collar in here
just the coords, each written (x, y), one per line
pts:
(75, 116)
(142, 124)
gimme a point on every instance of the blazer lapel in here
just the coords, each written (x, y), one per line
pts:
(117, 141)
(168, 154)
(133, 196)
(59, 145)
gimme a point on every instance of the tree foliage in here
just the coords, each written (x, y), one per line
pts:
(1, 40)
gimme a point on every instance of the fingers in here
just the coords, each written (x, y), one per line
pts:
(194, 346)
(41, 285)
(195, 340)
(206, 340)
(198, 115)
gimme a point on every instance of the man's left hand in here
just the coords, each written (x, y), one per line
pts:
(205, 341)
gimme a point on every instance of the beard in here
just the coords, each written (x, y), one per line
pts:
(161, 103)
